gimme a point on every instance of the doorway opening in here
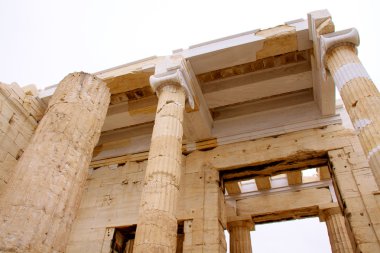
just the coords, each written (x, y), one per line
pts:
(293, 236)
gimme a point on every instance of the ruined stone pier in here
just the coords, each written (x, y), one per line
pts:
(42, 197)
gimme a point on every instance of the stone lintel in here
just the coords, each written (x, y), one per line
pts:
(171, 71)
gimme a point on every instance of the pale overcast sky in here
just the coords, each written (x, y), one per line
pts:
(42, 41)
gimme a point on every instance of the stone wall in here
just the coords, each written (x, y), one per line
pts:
(112, 194)
(110, 199)
(20, 112)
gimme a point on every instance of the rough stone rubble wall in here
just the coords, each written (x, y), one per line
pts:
(20, 112)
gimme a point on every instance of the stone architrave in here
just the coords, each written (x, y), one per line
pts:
(157, 223)
(240, 237)
(337, 230)
(359, 94)
(41, 199)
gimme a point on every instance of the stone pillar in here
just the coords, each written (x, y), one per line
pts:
(240, 237)
(157, 223)
(359, 94)
(129, 246)
(336, 227)
(187, 245)
(41, 199)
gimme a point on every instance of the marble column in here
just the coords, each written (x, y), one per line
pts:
(336, 227)
(359, 94)
(40, 202)
(157, 223)
(240, 237)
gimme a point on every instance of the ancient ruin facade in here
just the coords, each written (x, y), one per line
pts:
(166, 153)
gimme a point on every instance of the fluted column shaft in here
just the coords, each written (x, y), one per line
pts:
(338, 235)
(157, 224)
(361, 99)
(240, 237)
(40, 202)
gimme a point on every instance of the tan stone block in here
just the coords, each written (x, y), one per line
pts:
(347, 186)
(197, 224)
(197, 236)
(6, 171)
(365, 181)
(211, 237)
(348, 150)
(133, 167)
(89, 246)
(340, 166)
(10, 158)
(13, 132)
(211, 223)
(353, 203)
(358, 162)
(369, 201)
(4, 124)
(364, 234)
(376, 227)
(5, 89)
(359, 218)
(8, 144)
(30, 90)
(21, 141)
(17, 91)
(212, 248)
(374, 215)
(3, 154)
(369, 247)
(195, 248)
(7, 111)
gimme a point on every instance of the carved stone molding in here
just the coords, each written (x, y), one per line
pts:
(335, 39)
(170, 71)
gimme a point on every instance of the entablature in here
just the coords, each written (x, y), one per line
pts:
(252, 84)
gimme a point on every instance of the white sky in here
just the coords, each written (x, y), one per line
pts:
(298, 236)
(42, 41)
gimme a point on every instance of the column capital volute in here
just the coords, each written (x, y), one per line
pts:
(171, 71)
(332, 40)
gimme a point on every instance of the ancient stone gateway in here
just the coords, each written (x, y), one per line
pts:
(166, 153)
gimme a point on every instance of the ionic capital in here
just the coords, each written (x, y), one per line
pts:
(170, 71)
(335, 39)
